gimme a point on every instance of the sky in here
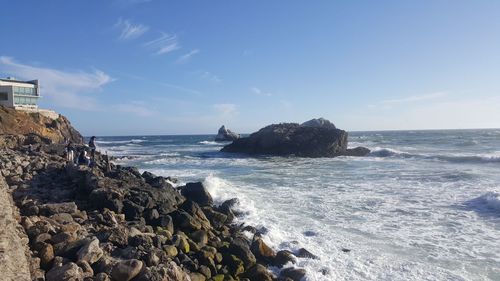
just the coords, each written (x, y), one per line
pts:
(135, 67)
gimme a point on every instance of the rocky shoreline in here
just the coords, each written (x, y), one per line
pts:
(113, 223)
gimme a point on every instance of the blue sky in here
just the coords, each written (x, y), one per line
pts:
(184, 67)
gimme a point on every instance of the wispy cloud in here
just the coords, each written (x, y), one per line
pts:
(64, 88)
(164, 44)
(259, 92)
(205, 75)
(185, 58)
(130, 30)
(415, 98)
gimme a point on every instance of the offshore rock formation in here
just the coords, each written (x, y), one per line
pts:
(226, 135)
(314, 138)
(20, 127)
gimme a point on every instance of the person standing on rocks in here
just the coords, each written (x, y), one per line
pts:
(92, 147)
(70, 153)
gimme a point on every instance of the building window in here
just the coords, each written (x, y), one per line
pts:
(4, 96)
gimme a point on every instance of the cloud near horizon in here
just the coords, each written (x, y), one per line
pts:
(64, 88)
(418, 98)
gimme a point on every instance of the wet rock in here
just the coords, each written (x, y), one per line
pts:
(67, 272)
(258, 272)
(358, 151)
(126, 270)
(90, 252)
(303, 253)
(197, 193)
(296, 274)
(262, 251)
(283, 257)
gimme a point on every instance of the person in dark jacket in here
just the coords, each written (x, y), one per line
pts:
(92, 147)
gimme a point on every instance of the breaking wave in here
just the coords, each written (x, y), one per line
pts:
(453, 158)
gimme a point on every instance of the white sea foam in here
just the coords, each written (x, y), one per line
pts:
(209, 142)
(489, 201)
(401, 211)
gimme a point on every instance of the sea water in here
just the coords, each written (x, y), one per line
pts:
(423, 205)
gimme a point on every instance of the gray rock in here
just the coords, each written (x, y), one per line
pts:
(319, 123)
(226, 135)
(296, 274)
(90, 252)
(198, 193)
(67, 272)
(292, 139)
(56, 208)
(126, 270)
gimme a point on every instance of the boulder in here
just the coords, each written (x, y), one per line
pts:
(258, 272)
(226, 135)
(314, 138)
(198, 193)
(90, 252)
(262, 251)
(67, 272)
(357, 151)
(296, 274)
(57, 208)
(292, 139)
(126, 270)
(283, 257)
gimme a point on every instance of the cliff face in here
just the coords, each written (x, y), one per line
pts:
(19, 127)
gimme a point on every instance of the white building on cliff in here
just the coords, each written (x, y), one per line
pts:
(19, 94)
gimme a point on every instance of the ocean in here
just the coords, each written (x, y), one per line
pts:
(423, 205)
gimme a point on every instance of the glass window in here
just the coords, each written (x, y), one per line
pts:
(4, 96)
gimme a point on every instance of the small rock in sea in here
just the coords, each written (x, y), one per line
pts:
(346, 250)
(296, 274)
(310, 233)
(303, 253)
(283, 257)
(258, 272)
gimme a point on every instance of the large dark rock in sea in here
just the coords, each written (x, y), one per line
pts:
(314, 138)
(226, 135)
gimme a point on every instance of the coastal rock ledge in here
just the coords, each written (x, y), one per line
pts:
(314, 138)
